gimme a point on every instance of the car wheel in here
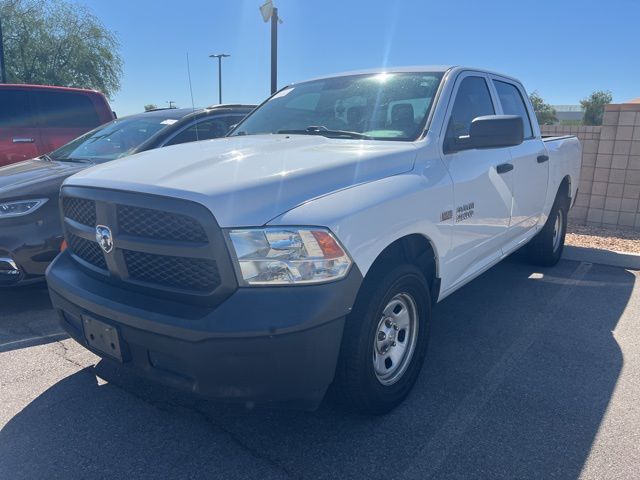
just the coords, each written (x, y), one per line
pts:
(546, 247)
(385, 340)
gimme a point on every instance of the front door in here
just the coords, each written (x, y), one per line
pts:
(482, 195)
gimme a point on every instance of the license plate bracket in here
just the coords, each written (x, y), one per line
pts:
(103, 337)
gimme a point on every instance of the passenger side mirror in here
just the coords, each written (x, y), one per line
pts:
(492, 131)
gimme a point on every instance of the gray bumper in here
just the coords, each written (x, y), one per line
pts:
(270, 344)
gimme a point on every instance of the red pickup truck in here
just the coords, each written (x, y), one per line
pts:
(36, 119)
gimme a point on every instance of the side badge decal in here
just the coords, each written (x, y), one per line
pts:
(464, 212)
(446, 215)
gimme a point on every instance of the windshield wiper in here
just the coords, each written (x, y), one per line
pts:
(71, 159)
(325, 132)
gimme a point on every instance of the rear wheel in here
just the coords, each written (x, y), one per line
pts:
(546, 247)
(385, 341)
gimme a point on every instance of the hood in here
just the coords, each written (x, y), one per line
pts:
(249, 180)
(34, 175)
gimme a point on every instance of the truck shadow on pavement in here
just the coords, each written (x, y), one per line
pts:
(26, 318)
(521, 368)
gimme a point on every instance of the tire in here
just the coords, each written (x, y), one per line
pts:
(403, 292)
(545, 249)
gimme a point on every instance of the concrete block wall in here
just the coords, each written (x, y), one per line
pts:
(609, 189)
(589, 137)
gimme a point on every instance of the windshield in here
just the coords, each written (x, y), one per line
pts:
(113, 140)
(388, 106)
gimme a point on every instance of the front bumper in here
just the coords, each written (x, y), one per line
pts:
(262, 344)
(30, 243)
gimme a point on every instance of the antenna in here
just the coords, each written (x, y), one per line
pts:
(193, 107)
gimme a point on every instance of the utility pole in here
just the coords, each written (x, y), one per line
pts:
(269, 12)
(3, 72)
(219, 56)
(171, 103)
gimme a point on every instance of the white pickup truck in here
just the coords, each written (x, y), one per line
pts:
(306, 250)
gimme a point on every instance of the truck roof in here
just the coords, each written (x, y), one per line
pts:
(409, 69)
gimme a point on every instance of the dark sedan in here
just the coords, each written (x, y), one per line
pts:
(30, 230)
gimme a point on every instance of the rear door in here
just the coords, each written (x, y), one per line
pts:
(19, 135)
(64, 116)
(482, 194)
(529, 159)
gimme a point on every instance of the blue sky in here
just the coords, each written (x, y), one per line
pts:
(564, 49)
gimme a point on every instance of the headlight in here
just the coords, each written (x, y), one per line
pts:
(20, 207)
(288, 255)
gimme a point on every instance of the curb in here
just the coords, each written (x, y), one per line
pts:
(603, 257)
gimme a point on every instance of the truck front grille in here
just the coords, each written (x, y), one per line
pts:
(160, 245)
(80, 210)
(87, 250)
(150, 223)
(179, 272)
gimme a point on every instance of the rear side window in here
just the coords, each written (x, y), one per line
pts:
(472, 100)
(513, 104)
(66, 109)
(14, 109)
(206, 129)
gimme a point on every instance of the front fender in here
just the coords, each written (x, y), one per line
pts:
(369, 217)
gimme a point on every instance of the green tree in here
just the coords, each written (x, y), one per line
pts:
(54, 42)
(545, 113)
(150, 106)
(593, 107)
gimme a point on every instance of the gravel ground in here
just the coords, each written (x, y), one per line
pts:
(616, 239)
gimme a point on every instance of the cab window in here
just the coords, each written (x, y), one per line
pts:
(513, 104)
(66, 110)
(14, 109)
(472, 100)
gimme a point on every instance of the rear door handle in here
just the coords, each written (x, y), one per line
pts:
(504, 168)
(543, 158)
(23, 140)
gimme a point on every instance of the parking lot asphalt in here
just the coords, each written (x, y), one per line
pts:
(531, 373)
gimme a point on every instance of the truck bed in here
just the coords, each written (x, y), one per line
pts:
(551, 138)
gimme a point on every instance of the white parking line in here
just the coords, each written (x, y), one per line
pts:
(32, 339)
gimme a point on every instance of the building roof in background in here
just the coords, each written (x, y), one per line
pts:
(635, 100)
(567, 108)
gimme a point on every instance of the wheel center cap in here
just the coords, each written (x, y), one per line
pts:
(387, 336)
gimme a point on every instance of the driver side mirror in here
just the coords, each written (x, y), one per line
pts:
(491, 131)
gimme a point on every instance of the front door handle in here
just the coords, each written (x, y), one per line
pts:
(504, 168)
(543, 158)
(23, 140)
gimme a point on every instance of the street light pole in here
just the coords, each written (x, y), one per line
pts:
(219, 56)
(269, 12)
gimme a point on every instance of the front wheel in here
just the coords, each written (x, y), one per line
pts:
(385, 341)
(546, 247)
